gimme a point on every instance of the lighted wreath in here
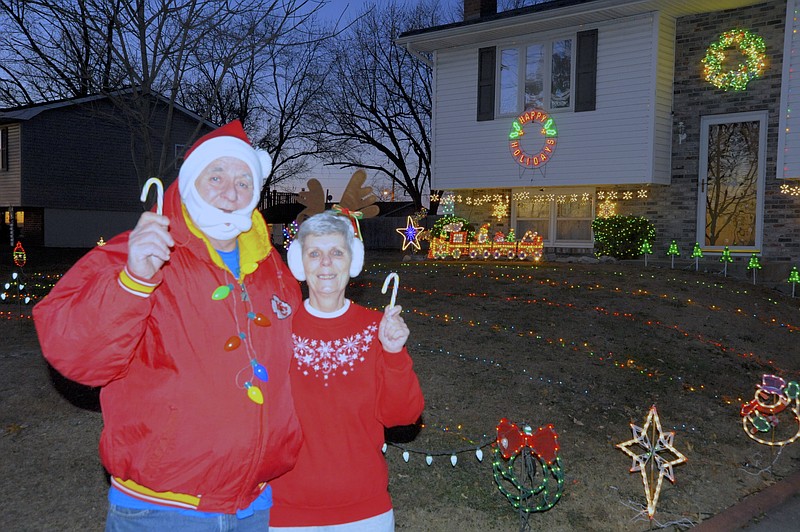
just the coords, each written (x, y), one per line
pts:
(750, 45)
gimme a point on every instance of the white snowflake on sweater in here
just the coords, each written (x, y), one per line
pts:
(328, 358)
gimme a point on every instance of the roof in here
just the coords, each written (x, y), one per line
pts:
(26, 112)
(552, 15)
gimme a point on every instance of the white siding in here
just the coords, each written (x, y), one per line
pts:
(10, 188)
(611, 145)
(789, 130)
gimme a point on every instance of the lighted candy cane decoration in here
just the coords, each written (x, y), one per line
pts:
(159, 193)
(389, 277)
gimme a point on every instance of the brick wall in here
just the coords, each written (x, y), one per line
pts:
(673, 208)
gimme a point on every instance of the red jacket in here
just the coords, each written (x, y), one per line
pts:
(176, 410)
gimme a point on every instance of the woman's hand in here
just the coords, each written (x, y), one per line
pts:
(393, 331)
(148, 245)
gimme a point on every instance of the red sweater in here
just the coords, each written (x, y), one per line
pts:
(177, 417)
(346, 390)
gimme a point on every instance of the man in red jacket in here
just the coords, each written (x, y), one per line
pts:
(185, 323)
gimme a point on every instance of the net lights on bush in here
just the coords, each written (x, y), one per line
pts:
(761, 417)
(749, 45)
(654, 441)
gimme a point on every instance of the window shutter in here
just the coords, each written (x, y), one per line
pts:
(486, 68)
(4, 148)
(586, 71)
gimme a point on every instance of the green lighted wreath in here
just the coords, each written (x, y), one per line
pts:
(750, 45)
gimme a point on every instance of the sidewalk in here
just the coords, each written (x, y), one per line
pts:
(774, 508)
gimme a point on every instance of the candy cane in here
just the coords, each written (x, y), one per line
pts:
(389, 277)
(159, 193)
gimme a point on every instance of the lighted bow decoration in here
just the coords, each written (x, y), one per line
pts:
(531, 446)
(652, 459)
(760, 416)
(354, 216)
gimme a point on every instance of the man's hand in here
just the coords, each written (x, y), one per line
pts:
(149, 245)
(393, 331)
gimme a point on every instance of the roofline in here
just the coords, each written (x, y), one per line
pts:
(537, 8)
(28, 111)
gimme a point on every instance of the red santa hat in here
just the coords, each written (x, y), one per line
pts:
(229, 140)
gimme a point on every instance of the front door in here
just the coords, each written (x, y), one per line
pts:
(731, 181)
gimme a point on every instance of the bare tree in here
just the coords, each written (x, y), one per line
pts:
(140, 53)
(377, 110)
(48, 52)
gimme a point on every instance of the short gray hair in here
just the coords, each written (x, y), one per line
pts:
(327, 223)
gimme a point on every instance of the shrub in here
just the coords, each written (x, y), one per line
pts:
(622, 237)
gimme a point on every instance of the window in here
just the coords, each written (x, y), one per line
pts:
(546, 73)
(179, 152)
(561, 219)
(4, 148)
(486, 68)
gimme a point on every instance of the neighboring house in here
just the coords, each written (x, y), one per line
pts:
(548, 116)
(68, 175)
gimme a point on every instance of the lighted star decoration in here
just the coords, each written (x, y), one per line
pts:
(652, 459)
(410, 234)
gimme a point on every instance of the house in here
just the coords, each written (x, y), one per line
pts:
(684, 112)
(68, 175)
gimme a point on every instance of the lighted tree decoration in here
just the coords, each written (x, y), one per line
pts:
(761, 417)
(749, 45)
(410, 233)
(511, 236)
(794, 278)
(530, 447)
(725, 259)
(646, 249)
(654, 441)
(754, 265)
(697, 253)
(673, 252)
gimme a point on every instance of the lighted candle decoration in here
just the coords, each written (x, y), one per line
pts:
(654, 441)
(672, 252)
(697, 253)
(754, 265)
(725, 259)
(159, 193)
(774, 400)
(533, 447)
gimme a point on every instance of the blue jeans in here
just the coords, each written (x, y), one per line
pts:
(121, 519)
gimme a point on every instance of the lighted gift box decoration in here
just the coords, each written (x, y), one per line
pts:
(451, 239)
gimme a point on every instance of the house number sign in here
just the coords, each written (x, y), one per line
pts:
(530, 123)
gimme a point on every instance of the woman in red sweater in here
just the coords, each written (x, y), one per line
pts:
(351, 376)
